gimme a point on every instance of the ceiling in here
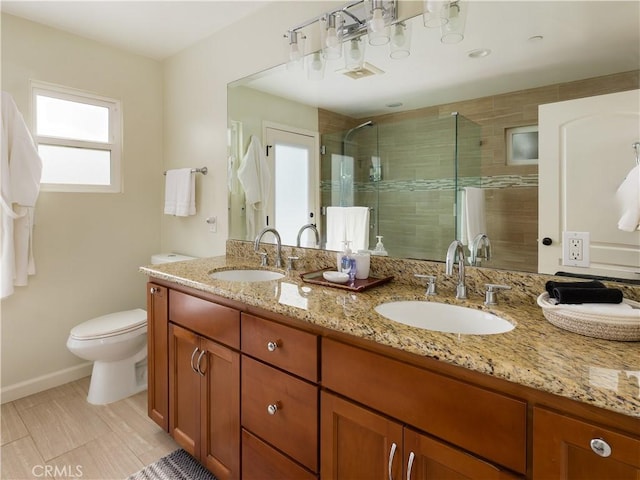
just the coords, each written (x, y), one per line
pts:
(580, 39)
(155, 29)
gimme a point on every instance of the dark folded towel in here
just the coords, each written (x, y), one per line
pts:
(551, 285)
(587, 295)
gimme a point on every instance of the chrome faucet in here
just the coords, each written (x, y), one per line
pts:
(456, 248)
(480, 242)
(312, 227)
(263, 254)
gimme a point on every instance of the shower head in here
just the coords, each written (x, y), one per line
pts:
(362, 125)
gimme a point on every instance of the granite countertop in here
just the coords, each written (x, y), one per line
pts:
(535, 353)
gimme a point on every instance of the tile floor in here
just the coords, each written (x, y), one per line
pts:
(57, 434)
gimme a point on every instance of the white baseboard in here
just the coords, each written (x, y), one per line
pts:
(44, 382)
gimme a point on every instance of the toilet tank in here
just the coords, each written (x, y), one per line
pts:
(168, 258)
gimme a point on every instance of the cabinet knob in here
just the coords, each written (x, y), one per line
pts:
(154, 290)
(600, 447)
(272, 346)
(272, 409)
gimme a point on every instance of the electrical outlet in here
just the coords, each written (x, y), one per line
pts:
(575, 249)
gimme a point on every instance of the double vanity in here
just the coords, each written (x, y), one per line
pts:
(261, 375)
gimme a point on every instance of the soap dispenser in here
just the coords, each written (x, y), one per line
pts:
(344, 257)
(379, 250)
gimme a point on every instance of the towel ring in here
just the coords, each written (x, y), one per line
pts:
(636, 147)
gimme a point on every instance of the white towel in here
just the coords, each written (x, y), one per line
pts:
(347, 223)
(628, 198)
(255, 178)
(180, 193)
(472, 220)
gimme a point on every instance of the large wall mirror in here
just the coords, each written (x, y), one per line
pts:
(408, 138)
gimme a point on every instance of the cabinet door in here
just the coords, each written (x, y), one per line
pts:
(562, 449)
(357, 443)
(184, 389)
(158, 354)
(426, 458)
(220, 410)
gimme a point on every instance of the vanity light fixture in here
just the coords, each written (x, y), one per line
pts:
(380, 14)
(331, 31)
(452, 31)
(295, 50)
(435, 13)
(400, 45)
(354, 54)
(315, 66)
(342, 29)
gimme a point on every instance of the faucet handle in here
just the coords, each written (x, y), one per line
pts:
(490, 294)
(263, 260)
(290, 261)
(431, 283)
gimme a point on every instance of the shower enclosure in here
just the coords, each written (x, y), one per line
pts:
(409, 172)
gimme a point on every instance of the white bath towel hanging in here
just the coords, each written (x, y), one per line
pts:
(472, 214)
(628, 198)
(255, 178)
(347, 223)
(20, 170)
(180, 193)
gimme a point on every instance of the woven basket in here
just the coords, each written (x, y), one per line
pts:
(592, 324)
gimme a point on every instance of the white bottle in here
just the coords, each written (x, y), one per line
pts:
(379, 250)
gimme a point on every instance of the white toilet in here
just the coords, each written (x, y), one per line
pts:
(117, 345)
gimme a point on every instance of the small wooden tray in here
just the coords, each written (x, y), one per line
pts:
(358, 285)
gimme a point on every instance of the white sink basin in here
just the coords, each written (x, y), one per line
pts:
(442, 317)
(242, 275)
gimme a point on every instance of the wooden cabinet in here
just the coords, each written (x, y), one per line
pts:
(358, 443)
(279, 403)
(157, 354)
(204, 418)
(204, 384)
(485, 423)
(572, 449)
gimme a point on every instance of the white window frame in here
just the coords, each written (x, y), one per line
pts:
(114, 145)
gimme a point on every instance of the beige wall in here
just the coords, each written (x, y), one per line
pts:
(196, 112)
(87, 246)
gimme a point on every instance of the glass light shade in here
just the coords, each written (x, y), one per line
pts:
(295, 50)
(315, 66)
(453, 30)
(435, 13)
(331, 29)
(400, 44)
(380, 13)
(354, 54)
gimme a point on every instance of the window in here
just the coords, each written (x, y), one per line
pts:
(79, 137)
(522, 145)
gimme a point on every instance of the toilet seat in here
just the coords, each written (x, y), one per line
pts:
(110, 325)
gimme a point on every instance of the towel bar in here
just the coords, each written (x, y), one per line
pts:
(203, 170)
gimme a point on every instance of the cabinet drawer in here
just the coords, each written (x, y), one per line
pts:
(205, 318)
(262, 462)
(293, 427)
(486, 423)
(284, 347)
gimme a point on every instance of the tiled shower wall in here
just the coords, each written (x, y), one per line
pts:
(511, 192)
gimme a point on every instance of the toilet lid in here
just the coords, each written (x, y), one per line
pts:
(111, 324)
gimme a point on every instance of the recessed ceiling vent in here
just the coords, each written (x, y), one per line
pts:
(367, 70)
